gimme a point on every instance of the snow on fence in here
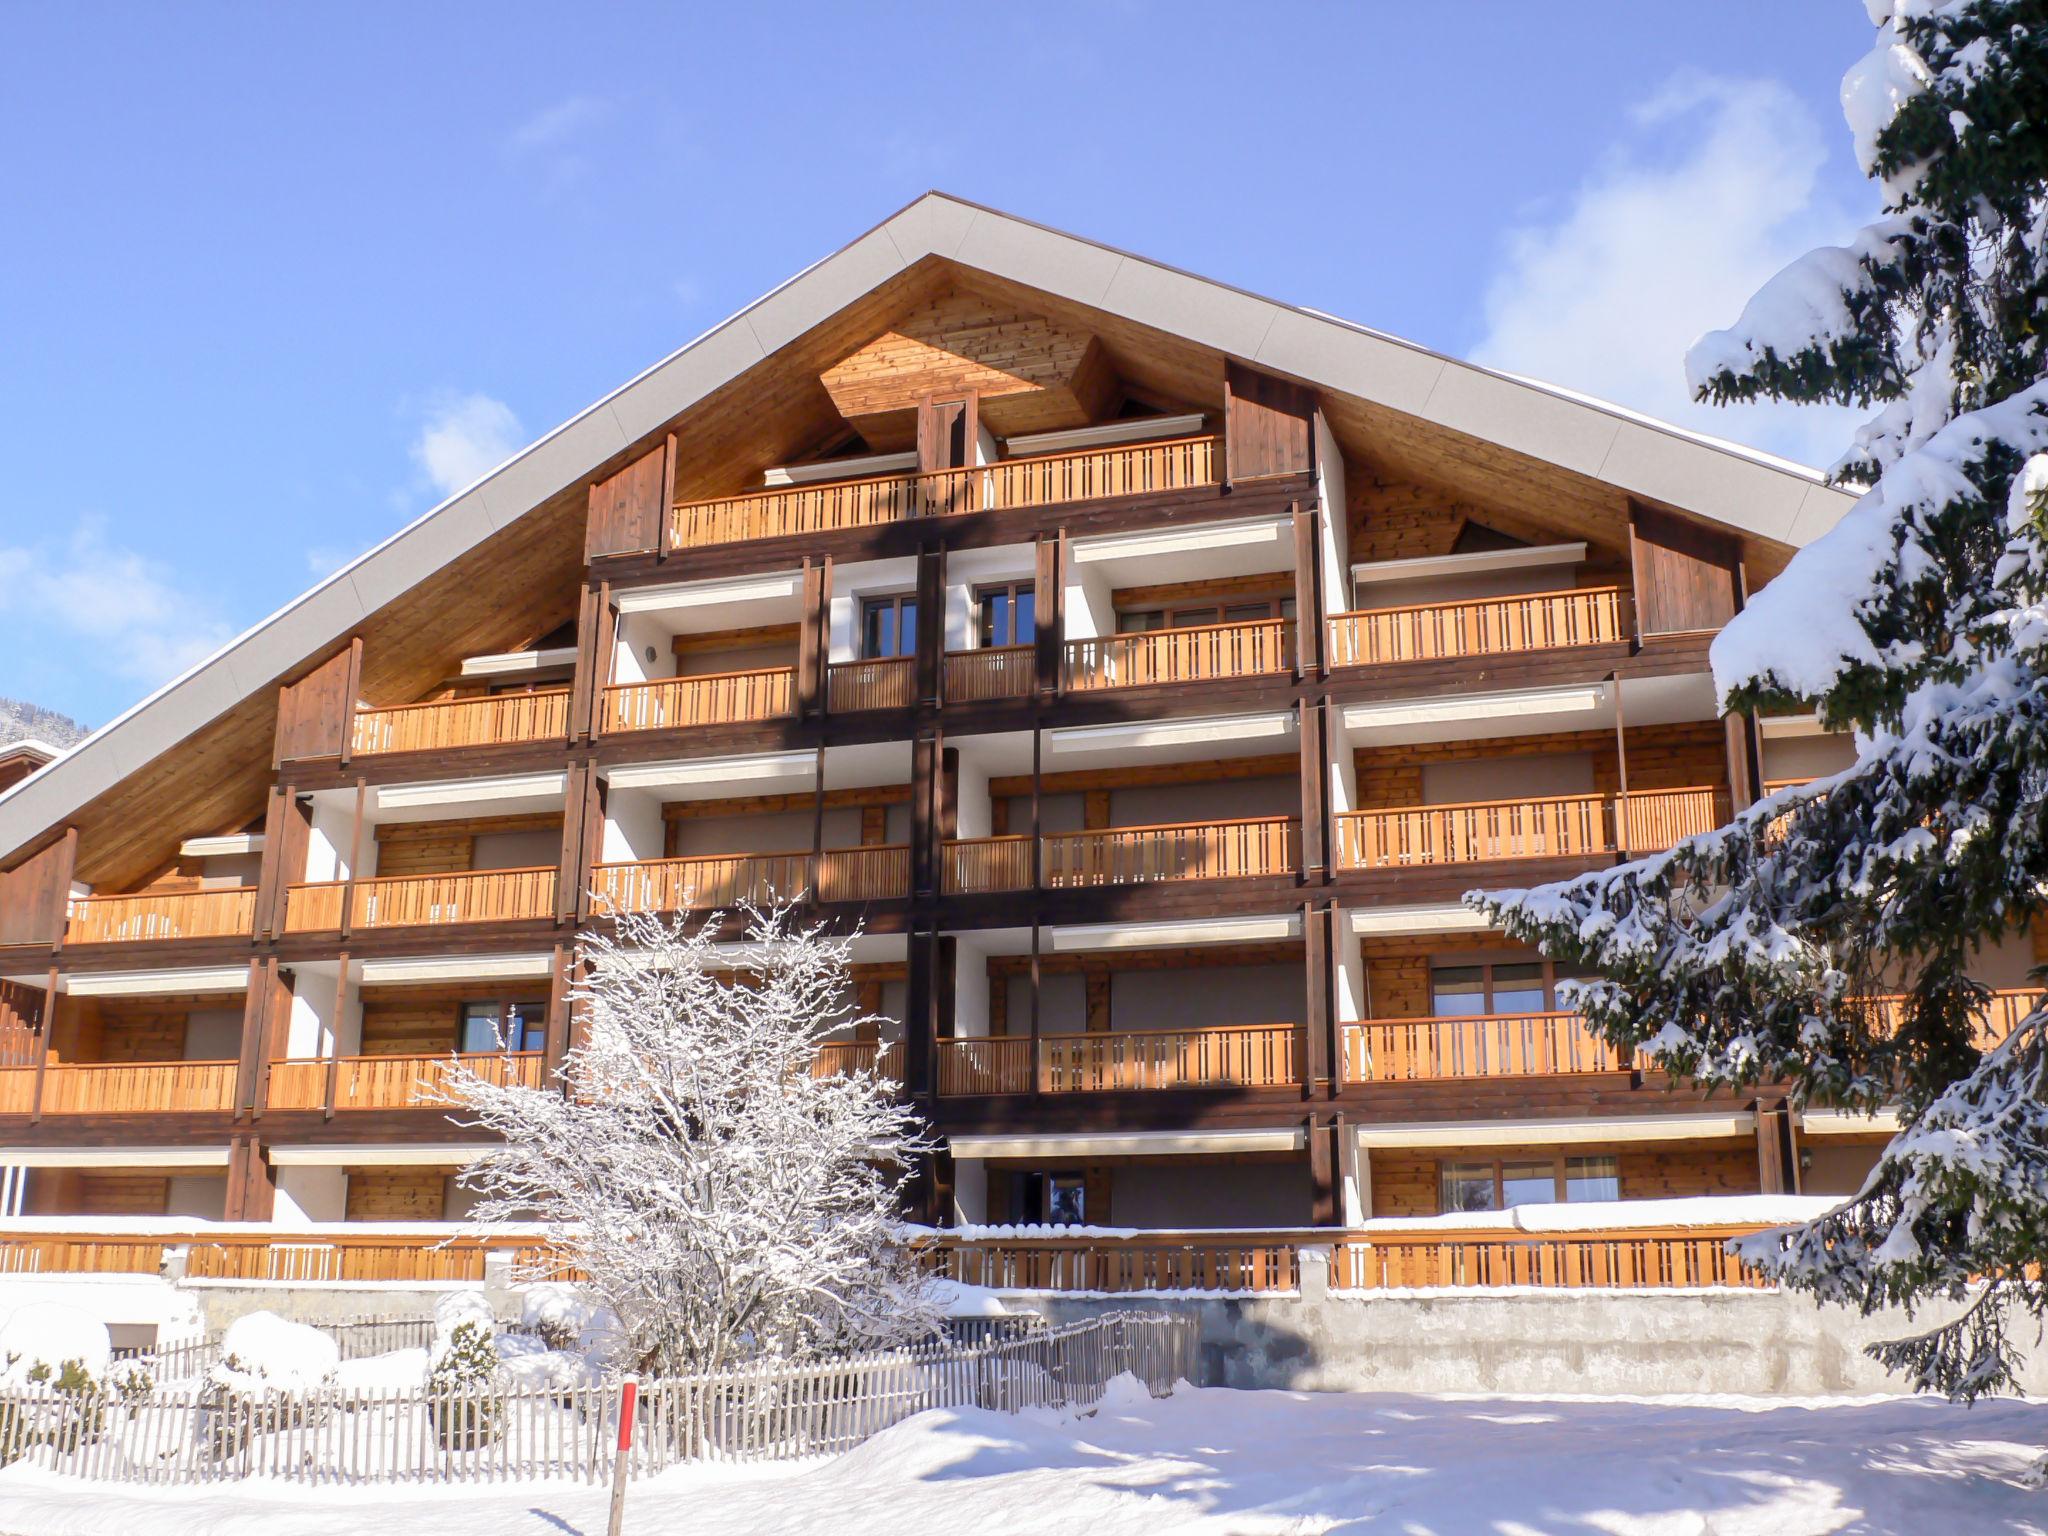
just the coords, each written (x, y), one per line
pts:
(193, 1432)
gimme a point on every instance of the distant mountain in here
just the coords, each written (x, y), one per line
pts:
(19, 719)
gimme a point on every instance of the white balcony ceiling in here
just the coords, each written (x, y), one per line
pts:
(509, 795)
(1195, 552)
(1518, 712)
(707, 607)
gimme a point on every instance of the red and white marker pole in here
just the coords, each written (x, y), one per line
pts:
(629, 1400)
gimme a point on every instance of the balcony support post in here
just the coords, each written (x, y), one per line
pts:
(1037, 1070)
(1745, 771)
(557, 1035)
(1048, 633)
(1621, 819)
(334, 1037)
(255, 1015)
(252, 1183)
(1312, 720)
(1308, 598)
(583, 681)
(355, 855)
(35, 1110)
(1313, 1044)
(351, 696)
(920, 1023)
(809, 634)
(1322, 1190)
(931, 621)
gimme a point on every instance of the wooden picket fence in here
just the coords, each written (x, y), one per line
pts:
(191, 1432)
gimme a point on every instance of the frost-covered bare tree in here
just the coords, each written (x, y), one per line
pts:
(726, 1199)
(1920, 622)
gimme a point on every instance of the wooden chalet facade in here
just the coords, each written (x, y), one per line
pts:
(1145, 668)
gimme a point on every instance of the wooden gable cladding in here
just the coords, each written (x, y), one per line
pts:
(1029, 373)
(626, 508)
(34, 894)
(1268, 424)
(1686, 577)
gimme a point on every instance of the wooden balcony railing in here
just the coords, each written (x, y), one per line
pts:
(120, 1088)
(1150, 1261)
(413, 901)
(1549, 826)
(877, 873)
(972, 866)
(1195, 850)
(889, 682)
(422, 1260)
(1631, 1258)
(391, 1082)
(1504, 1045)
(1046, 480)
(229, 913)
(992, 672)
(2006, 1008)
(1487, 626)
(1117, 1061)
(701, 883)
(838, 1057)
(36, 1253)
(1198, 653)
(449, 723)
(712, 698)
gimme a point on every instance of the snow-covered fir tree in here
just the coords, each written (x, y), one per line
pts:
(726, 1199)
(1920, 622)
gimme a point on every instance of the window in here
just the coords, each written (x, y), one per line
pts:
(1466, 1187)
(1140, 621)
(1487, 991)
(489, 1027)
(888, 627)
(1008, 613)
(1592, 1178)
(1058, 1198)
(1500, 1186)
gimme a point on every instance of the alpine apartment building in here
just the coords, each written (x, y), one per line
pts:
(1144, 667)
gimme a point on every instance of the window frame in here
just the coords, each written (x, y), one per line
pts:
(1012, 590)
(531, 1023)
(1487, 967)
(1180, 615)
(1560, 1165)
(894, 602)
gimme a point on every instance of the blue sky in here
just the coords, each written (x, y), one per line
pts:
(276, 278)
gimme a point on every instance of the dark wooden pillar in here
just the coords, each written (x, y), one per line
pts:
(261, 1032)
(556, 1036)
(1313, 1043)
(1777, 1164)
(1322, 1175)
(1312, 733)
(1308, 586)
(43, 1038)
(920, 1023)
(334, 1035)
(252, 1183)
(945, 986)
(925, 763)
(810, 638)
(1048, 597)
(931, 622)
(1745, 768)
(355, 858)
(572, 873)
(590, 610)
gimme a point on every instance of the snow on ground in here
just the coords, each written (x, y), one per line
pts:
(1244, 1463)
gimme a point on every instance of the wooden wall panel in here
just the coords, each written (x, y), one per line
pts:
(626, 509)
(1269, 424)
(34, 895)
(1405, 1182)
(397, 1194)
(427, 1021)
(1686, 578)
(78, 1192)
(314, 714)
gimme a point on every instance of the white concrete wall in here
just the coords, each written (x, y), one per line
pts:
(313, 1025)
(640, 634)
(970, 1191)
(311, 1194)
(1090, 609)
(970, 989)
(328, 841)
(632, 825)
(1335, 553)
(972, 799)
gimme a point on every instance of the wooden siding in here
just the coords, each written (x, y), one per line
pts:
(1686, 577)
(397, 1194)
(626, 508)
(1270, 424)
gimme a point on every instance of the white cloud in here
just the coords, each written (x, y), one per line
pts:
(133, 618)
(464, 437)
(549, 144)
(550, 126)
(1718, 187)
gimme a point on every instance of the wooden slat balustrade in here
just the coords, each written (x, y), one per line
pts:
(1154, 1261)
(482, 896)
(1487, 626)
(712, 698)
(121, 1088)
(1548, 826)
(889, 682)
(315, 908)
(1233, 1055)
(35, 1253)
(443, 724)
(1196, 653)
(391, 1082)
(991, 672)
(977, 1064)
(837, 1057)
(324, 1258)
(880, 872)
(1196, 850)
(977, 865)
(149, 916)
(2002, 1015)
(1630, 1259)
(1043, 480)
(701, 883)
(1502, 1045)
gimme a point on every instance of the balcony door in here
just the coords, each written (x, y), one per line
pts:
(888, 627)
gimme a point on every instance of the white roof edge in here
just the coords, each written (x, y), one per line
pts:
(1709, 478)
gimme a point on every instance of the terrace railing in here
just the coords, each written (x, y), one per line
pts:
(446, 724)
(1487, 626)
(1193, 654)
(149, 916)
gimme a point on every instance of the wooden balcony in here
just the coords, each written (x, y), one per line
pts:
(1503, 1045)
(1043, 481)
(836, 1058)
(2007, 1007)
(391, 1082)
(1196, 654)
(974, 866)
(229, 913)
(1545, 827)
(1194, 850)
(412, 901)
(712, 698)
(1118, 1061)
(450, 724)
(120, 1088)
(1489, 626)
(877, 873)
(887, 683)
(991, 672)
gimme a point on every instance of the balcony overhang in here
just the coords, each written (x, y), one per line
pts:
(1428, 567)
(1848, 1122)
(1214, 736)
(507, 795)
(1129, 1143)
(359, 1155)
(234, 845)
(1207, 930)
(514, 663)
(1577, 1132)
(1196, 552)
(1423, 917)
(706, 778)
(706, 607)
(408, 969)
(206, 978)
(125, 1156)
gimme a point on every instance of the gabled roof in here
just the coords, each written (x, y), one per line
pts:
(1752, 492)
